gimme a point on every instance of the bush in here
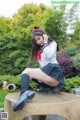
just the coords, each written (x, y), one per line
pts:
(76, 63)
(10, 80)
(69, 83)
(66, 63)
(16, 80)
(71, 51)
(74, 53)
(73, 82)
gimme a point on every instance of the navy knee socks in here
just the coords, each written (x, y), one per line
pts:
(25, 79)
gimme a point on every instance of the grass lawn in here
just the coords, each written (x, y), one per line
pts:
(3, 93)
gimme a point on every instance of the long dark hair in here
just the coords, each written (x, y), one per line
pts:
(37, 31)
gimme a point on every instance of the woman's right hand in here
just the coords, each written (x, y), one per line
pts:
(45, 38)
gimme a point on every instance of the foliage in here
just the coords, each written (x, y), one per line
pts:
(10, 80)
(16, 80)
(3, 93)
(66, 63)
(56, 25)
(77, 32)
(72, 16)
(33, 85)
(73, 82)
(76, 62)
(14, 54)
(59, 21)
(74, 53)
(5, 25)
(69, 82)
(15, 41)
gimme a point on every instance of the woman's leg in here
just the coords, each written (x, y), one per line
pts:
(24, 82)
(28, 73)
(36, 73)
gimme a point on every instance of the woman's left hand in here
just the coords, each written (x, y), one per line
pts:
(45, 38)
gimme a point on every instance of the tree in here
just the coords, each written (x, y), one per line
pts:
(56, 25)
(15, 44)
(76, 34)
(15, 40)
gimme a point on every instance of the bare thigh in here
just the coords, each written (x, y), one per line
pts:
(36, 73)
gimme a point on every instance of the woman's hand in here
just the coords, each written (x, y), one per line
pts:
(45, 38)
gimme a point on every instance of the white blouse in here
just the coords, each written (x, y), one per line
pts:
(49, 54)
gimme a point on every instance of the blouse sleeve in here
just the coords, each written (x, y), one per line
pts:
(50, 50)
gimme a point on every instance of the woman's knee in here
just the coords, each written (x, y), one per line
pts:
(26, 71)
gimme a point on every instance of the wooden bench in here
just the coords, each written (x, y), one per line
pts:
(64, 104)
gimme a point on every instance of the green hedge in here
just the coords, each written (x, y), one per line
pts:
(73, 82)
(74, 53)
(16, 80)
(10, 79)
(69, 83)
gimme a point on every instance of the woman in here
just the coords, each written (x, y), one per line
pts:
(49, 75)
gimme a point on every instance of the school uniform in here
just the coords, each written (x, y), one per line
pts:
(47, 58)
(49, 65)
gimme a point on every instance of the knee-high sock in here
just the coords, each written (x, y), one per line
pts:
(25, 79)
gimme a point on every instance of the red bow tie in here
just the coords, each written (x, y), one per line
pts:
(39, 55)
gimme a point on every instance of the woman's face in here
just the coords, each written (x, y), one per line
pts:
(39, 40)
